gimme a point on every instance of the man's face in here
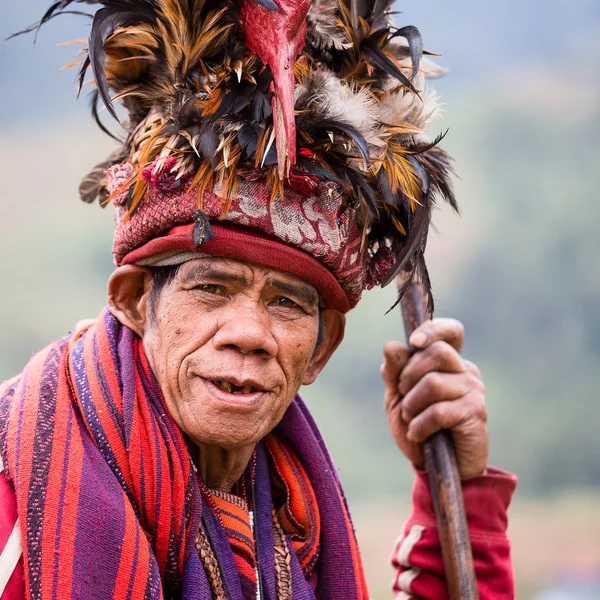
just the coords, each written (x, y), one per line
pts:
(230, 345)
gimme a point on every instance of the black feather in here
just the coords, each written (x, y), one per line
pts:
(415, 242)
(379, 59)
(316, 169)
(94, 101)
(106, 20)
(439, 167)
(248, 138)
(421, 172)
(359, 8)
(81, 74)
(207, 144)
(92, 187)
(415, 271)
(380, 13)
(36, 26)
(261, 102)
(415, 44)
(348, 131)
(419, 148)
(385, 188)
(261, 106)
(365, 190)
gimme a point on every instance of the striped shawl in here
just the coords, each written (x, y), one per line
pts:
(108, 503)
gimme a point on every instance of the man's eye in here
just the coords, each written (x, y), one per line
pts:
(210, 288)
(284, 302)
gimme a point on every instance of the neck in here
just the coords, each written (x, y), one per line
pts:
(220, 469)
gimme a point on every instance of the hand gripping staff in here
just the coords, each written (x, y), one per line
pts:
(444, 481)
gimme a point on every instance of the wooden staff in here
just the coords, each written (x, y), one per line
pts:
(442, 469)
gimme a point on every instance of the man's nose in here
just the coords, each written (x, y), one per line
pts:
(249, 333)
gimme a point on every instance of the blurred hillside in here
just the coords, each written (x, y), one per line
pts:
(520, 267)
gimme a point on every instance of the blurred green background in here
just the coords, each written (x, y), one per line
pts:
(520, 268)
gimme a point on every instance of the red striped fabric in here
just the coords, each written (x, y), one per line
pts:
(108, 503)
(296, 503)
(235, 516)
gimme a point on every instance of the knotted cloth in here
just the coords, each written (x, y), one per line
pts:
(108, 502)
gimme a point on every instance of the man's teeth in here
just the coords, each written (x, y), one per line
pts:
(234, 389)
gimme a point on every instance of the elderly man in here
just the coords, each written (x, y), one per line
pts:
(274, 167)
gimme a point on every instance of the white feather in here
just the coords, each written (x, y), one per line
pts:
(322, 23)
(341, 102)
(401, 106)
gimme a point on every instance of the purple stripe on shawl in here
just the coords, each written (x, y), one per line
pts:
(302, 589)
(127, 377)
(263, 515)
(24, 380)
(337, 578)
(112, 327)
(61, 503)
(101, 509)
(220, 545)
(40, 467)
(195, 582)
(153, 589)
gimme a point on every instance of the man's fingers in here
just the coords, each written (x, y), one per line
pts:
(439, 356)
(395, 357)
(472, 368)
(447, 330)
(447, 415)
(437, 387)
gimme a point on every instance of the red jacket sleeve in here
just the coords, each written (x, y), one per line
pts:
(12, 586)
(417, 554)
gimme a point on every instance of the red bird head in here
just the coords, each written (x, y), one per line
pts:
(276, 33)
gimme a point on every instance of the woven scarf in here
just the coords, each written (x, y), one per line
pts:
(109, 504)
(295, 513)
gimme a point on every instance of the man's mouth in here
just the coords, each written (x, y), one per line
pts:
(231, 388)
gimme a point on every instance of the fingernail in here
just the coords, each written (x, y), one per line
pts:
(418, 339)
(405, 416)
(410, 436)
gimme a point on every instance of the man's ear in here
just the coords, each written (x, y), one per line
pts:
(128, 296)
(334, 324)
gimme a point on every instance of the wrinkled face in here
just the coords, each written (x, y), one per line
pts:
(230, 344)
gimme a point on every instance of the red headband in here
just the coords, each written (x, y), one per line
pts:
(252, 246)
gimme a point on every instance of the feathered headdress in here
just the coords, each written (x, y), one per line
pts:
(304, 120)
